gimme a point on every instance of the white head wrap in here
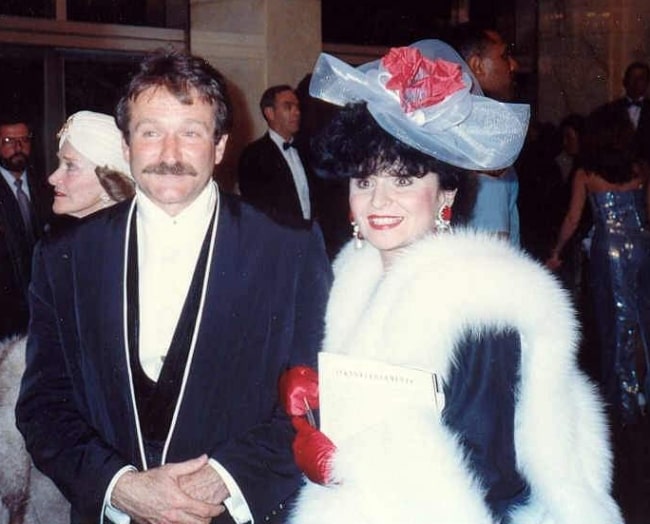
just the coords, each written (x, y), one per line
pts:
(97, 137)
(465, 129)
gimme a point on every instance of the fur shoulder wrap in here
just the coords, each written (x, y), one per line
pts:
(413, 469)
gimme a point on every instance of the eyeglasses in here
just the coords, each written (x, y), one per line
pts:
(15, 140)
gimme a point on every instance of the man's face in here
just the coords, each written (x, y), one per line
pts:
(636, 82)
(15, 147)
(495, 69)
(172, 151)
(284, 116)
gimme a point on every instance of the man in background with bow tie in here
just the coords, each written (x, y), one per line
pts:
(273, 175)
(25, 207)
(635, 105)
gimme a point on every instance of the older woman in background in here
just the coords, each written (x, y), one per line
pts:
(92, 172)
(520, 438)
(92, 175)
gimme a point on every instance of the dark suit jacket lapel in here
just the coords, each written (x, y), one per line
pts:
(11, 205)
(642, 135)
(20, 247)
(41, 198)
(100, 272)
(285, 178)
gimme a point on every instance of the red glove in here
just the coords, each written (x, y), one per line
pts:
(313, 451)
(298, 388)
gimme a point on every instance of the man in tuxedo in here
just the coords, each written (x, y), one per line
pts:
(635, 106)
(273, 175)
(488, 57)
(161, 325)
(25, 207)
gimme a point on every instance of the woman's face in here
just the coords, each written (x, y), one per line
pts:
(77, 190)
(393, 212)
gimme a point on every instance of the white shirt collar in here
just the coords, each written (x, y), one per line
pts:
(279, 140)
(198, 212)
(10, 178)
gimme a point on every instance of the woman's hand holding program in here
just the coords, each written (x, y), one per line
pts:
(312, 449)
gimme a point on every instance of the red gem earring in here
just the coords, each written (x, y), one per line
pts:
(443, 219)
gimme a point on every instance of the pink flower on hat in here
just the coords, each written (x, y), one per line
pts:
(420, 82)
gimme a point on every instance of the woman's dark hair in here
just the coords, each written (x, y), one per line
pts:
(118, 186)
(608, 146)
(180, 74)
(353, 145)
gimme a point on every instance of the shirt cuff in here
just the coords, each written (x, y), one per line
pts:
(110, 513)
(235, 504)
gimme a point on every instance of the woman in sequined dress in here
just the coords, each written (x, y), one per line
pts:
(616, 184)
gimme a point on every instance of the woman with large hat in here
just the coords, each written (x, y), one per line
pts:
(521, 437)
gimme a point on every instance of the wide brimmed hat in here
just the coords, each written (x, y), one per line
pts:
(97, 137)
(426, 96)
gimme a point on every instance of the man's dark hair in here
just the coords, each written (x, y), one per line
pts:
(13, 117)
(470, 38)
(573, 120)
(635, 65)
(268, 96)
(182, 75)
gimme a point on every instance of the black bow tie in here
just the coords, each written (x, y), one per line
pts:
(631, 103)
(287, 145)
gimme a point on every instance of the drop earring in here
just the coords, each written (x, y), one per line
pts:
(356, 234)
(443, 219)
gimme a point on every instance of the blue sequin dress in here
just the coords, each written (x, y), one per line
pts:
(621, 244)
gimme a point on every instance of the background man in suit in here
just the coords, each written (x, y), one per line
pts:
(488, 56)
(25, 207)
(161, 326)
(272, 174)
(635, 106)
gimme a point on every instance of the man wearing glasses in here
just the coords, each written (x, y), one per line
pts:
(25, 205)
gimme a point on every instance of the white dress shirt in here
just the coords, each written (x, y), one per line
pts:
(634, 111)
(168, 249)
(297, 171)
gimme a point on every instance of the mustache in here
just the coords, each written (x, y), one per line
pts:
(18, 158)
(163, 168)
(16, 162)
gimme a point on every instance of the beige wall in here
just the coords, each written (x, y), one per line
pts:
(584, 47)
(255, 44)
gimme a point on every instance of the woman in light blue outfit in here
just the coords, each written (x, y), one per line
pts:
(615, 183)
